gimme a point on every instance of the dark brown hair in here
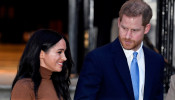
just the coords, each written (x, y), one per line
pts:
(134, 8)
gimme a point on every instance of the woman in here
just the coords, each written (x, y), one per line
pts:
(171, 91)
(44, 68)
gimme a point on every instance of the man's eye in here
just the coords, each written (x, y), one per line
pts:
(125, 28)
(134, 30)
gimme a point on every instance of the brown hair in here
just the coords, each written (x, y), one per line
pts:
(134, 8)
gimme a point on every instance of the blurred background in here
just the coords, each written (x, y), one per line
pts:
(87, 24)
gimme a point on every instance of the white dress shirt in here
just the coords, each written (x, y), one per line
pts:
(141, 64)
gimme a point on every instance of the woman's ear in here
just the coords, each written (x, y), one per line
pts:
(42, 54)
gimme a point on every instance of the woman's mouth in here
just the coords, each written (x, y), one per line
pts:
(61, 64)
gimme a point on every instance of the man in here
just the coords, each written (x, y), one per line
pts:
(171, 91)
(108, 72)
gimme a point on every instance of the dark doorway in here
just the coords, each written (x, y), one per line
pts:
(17, 18)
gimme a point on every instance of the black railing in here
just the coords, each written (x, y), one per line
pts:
(164, 42)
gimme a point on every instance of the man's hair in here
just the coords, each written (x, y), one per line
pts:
(134, 8)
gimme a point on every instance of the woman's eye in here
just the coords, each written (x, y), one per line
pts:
(59, 52)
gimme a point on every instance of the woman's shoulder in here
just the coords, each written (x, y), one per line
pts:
(23, 90)
(25, 83)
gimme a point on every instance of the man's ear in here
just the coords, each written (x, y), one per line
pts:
(118, 22)
(147, 28)
(42, 53)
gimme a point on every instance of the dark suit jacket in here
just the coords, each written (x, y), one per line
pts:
(105, 75)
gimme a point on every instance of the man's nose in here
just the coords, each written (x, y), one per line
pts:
(128, 34)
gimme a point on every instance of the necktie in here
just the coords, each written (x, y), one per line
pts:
(135, 75)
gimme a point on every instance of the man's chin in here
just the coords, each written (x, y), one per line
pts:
(127, 47)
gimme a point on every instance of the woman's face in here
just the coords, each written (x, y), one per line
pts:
(53, 59)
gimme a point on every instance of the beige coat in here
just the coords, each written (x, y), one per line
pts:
(171, 91)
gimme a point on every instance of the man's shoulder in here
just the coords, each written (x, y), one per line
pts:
(102, 49)
(108, 47)
(150, 51)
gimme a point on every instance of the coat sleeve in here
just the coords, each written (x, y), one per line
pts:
(22, 91)
(159, 86)
(171, 91)
(89, 79)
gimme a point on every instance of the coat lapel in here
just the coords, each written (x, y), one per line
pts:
(120, 62)
(148, 75)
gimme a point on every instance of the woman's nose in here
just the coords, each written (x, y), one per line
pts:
(64, 57)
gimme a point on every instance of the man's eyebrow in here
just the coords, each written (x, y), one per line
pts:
(123, 26)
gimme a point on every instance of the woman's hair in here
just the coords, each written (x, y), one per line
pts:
(29, 64)
(134, 8)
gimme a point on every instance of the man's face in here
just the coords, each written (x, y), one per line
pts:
(131, 32)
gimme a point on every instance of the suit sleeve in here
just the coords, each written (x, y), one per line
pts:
(171, 91)
(22, 91)
(89, 79)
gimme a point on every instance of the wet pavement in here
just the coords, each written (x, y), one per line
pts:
(4, 93)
